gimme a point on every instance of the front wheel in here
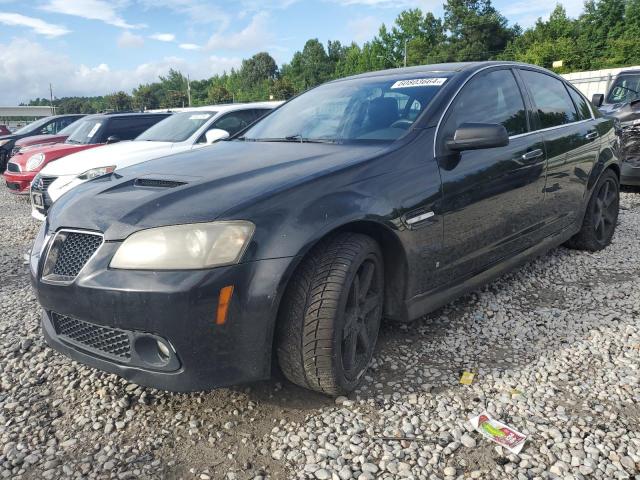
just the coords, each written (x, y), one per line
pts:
(601, 217)
(331, 313)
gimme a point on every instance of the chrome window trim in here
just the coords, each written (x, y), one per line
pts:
(51, 278)
(511, 66)
(550, 128)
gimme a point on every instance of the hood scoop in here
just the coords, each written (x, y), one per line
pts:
(157, 183)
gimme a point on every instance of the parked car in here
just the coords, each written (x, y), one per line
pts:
(92, 131)
(185, 130)
(47, 139)
(384, 194)
(4, 130)
(622, 102)
(44, 126)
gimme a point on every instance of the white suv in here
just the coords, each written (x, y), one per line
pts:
(187, 129)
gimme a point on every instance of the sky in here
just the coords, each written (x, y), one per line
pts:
(94, 47)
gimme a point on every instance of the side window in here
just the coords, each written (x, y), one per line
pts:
(64, 122)
(492, 97)
(551, 99)
(48, 129)
(260, 112)
(128, 128)
(584, 111)
(235, 121)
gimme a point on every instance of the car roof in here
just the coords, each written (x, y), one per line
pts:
(627, 72)
(225, 107)
(446, 68)
(129, 114)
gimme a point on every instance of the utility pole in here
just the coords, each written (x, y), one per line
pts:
(405, 51)
(53, 110)
(189, 89)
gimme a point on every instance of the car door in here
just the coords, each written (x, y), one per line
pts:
(491, 197)
(571, 141)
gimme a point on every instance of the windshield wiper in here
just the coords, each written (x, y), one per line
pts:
(297, 138)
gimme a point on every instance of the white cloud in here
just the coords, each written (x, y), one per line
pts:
(198, 11)
(189, 46)
(130, 40)
(26, 68)
(102, 10)
(363, 29)
(37, 25)
(163, 37)
(254, 35)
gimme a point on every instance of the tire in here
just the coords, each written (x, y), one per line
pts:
(330, 314)
(599, 223)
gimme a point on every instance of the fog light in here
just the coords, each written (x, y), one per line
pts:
(163, 351)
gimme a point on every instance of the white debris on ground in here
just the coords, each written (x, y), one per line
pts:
(555, 347)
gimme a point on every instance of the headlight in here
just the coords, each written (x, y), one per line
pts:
(184, 247)
(4, 142)
(630, 123)
(35, 161)
(96, 172)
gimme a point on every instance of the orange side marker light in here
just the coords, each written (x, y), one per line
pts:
(223, 304)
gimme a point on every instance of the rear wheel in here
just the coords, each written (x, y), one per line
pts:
(331, 312)
(600, 219)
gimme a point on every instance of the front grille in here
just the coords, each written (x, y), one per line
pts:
(73, 253)
(41, 183)
(13, 167)
(108, 341)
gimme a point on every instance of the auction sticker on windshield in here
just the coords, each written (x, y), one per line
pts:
(419, 82)
(200, 116)
(94, 130)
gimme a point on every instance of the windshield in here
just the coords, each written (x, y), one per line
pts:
(85, 131)
(625, 89)
(359, 110)
(69, 129)
(176, 128)
(32, 126)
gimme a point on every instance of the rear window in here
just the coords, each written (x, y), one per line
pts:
(376, 109)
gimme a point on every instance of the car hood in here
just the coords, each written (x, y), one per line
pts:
(120, 154)
(40, 139)
(51, 152)
(623, 112)
(214, 180)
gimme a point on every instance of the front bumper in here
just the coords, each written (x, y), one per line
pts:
(178, 307)
(18, 182)
(630, 172)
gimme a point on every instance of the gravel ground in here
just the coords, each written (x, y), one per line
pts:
(556, 348)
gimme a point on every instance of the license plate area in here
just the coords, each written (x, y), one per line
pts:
(37, 199)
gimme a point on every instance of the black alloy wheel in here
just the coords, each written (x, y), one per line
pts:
(361, 319)
(330, 314)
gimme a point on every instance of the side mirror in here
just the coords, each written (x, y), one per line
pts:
(597, 99)
(113, 139)
(474, 136)
(215, 135)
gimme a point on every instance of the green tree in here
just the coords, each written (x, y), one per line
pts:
(477, 31)
(118, 101)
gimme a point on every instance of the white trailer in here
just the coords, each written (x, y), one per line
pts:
(595, 81)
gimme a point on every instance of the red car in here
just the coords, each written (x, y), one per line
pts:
(90, 132)
(4, 130)
(46, 139)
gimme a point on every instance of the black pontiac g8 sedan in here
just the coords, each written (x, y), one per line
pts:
(383, 195)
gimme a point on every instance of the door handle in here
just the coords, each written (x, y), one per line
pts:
(533, 154)
(591, 136)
